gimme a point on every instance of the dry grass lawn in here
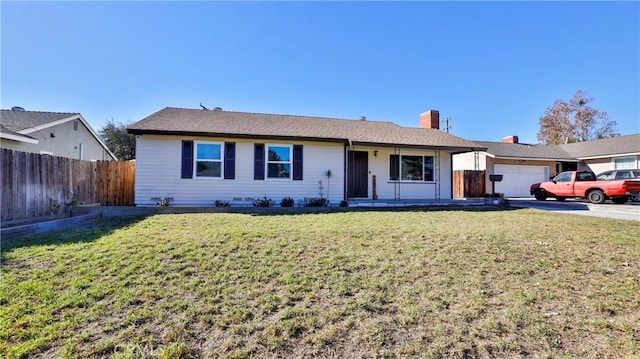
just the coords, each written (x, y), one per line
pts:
(354, 284)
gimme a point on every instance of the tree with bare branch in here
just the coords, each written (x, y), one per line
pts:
(574, 121)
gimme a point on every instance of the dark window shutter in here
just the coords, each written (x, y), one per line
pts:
(394, 167)
(297, 162)
(258, 161)
(187, 159)
(229, 160)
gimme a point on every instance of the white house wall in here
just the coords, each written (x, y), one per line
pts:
(379, 167)
(466, 161)
(158, 173)
(66, 142)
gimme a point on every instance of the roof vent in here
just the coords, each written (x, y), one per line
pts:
(17, 108)
(362, 118)
(217, 108)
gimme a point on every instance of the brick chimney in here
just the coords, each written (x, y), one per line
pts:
(430, 119)
(510, 139)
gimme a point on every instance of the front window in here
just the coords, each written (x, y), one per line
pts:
(624, 163)
(411, 168)
(208, 160)
(278, 161)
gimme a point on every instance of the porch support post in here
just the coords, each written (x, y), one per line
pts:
(374, 184)
(476, 160)
(396, 183)
(437, 174)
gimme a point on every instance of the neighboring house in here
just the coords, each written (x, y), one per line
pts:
(52, 133)
(196, 157)
(620, 152)
(524, 164)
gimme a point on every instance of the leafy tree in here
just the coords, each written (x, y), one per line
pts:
(574, 121)
(121, 143)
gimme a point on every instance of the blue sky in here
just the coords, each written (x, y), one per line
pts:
(492, 67)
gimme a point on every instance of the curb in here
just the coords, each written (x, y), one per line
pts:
(19, 231)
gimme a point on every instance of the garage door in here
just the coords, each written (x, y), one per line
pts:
(516, 180)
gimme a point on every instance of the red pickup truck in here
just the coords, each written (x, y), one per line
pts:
(583, 184)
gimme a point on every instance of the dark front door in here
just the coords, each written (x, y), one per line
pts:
(358, 174)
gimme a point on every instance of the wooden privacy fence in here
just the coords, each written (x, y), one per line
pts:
(35, 185)
(468, 184)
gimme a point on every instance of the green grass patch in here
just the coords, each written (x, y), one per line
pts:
(451, 283)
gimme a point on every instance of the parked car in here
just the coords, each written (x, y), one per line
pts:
(583, 184)
(631, 174)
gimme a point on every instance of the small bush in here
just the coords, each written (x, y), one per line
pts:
(344, 203)
(316, 202)
(263, 202)
(287, 202)
(163, 202)
(220, 203)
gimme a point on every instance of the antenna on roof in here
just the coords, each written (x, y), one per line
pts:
(204, 108)
(447, 126)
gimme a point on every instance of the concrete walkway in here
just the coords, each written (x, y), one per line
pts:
(415, 203)
(628, 211)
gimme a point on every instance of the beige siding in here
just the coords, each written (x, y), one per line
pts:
(66, 143)
(158, 172)
(596, 165)
(602, 164)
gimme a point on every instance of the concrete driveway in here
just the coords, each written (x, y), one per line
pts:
(627, 211)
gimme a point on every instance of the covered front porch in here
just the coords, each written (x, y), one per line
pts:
(397, 176)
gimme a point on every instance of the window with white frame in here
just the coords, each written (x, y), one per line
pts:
(278, 161)
(624, 163)
(411, 168)
(208, 160)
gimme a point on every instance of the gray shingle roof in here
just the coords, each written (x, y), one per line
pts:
(243, 124)
(21, 120)
(603, 147)
(4, 129)
(579, 150)
(523, 150)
